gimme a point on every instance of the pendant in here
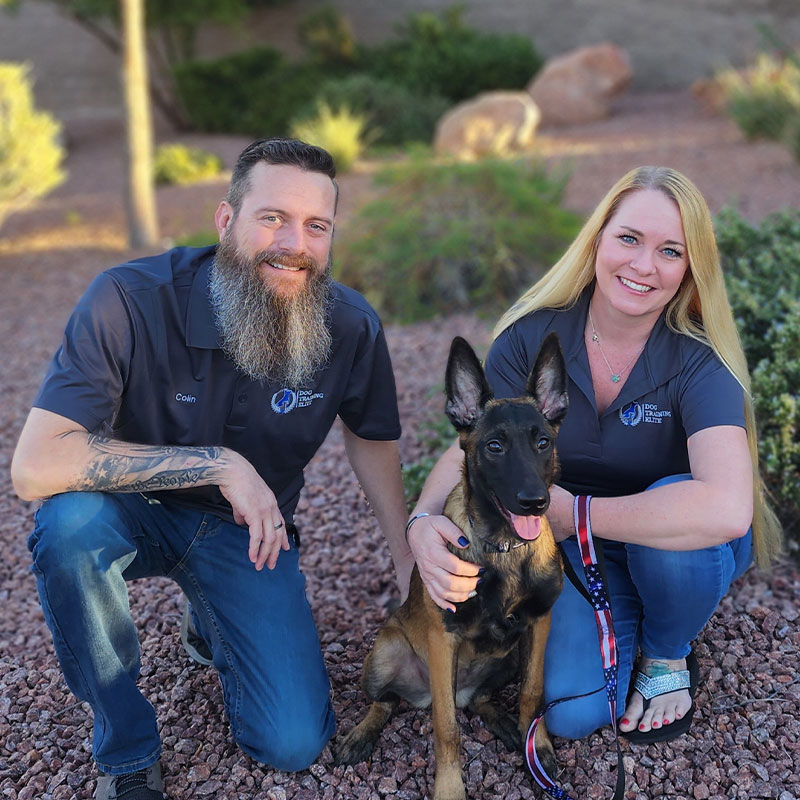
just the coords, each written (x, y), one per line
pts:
(615, 378)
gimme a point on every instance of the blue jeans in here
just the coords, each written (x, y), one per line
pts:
(660, 601)
(259, 626)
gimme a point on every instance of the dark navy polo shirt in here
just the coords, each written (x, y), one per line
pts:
(677, 387)
(141, 361)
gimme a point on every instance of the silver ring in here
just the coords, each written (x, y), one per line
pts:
(278, 526)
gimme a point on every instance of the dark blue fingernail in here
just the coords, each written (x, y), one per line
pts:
(480, 581)
(481, 570)
(451, 610)
(463, 541)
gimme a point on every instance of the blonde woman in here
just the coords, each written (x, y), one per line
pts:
(660, 433)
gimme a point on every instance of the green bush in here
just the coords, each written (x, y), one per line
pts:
(327, 36)
(776, 391)
(180, 164)
(440, 55)
(764, 101)
(255, 92)
(433, 437)
(395, 114)
(456, 237)
(339, 132)
(30, 151)
(762, 271)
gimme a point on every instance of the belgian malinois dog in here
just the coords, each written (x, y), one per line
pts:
(424, 654)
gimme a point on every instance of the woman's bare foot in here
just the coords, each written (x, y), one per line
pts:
(663, 709)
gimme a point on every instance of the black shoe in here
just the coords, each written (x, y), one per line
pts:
(193, 642)
(146, 784)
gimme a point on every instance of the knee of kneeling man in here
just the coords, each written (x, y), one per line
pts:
(62, 526)
(288, 751)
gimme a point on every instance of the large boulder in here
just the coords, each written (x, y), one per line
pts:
(578, 86)
(491, 124)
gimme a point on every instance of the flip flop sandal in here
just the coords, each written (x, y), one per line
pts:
(663, 684)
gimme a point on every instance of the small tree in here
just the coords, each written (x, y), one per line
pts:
(30, 151)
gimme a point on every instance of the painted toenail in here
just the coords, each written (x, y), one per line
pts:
(625, 721)
(641, 727)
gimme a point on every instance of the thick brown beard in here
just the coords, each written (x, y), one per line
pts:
(269, 336)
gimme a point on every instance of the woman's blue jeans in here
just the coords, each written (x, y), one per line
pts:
(660, 601)
(259, 626)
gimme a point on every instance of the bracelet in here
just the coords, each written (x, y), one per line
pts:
(413, 520)
(580, 507)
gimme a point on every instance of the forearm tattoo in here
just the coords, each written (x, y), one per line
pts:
(117, 466)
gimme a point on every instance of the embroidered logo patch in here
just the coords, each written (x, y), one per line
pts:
(283, 401)
(634, 413)
(631, 414)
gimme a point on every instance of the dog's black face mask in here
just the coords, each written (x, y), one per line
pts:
(509, 445)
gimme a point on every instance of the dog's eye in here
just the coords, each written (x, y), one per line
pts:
(543, 443)
(494, 446)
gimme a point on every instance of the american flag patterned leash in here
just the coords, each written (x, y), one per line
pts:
(598, 596)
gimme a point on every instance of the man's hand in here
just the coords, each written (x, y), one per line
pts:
(447, 578)
(254, 505)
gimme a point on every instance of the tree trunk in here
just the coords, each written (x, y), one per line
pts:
(142, 224)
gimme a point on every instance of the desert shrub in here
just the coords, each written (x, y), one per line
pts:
(776, 392)
(395, 114)
(434, 436)
(31, 153)
(339, 132)
(764, 100)
(455, 237)
(441, 55)
(762, 272)
(327, 36)
(255, 92)
(178, 163)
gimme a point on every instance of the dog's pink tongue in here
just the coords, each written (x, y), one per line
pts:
(526, 527)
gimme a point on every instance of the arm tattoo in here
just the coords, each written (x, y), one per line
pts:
(117, 466)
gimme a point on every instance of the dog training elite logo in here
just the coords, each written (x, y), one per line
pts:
(283, 401)
(631, 414)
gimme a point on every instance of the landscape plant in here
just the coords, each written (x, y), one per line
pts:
(764, 100)
(340, 132)
(443, 238)
(180, 164)
(31, 152)
(762, 272)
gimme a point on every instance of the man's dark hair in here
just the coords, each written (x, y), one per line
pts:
(291, 152)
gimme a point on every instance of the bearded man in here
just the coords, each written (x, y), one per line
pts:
(169, 438)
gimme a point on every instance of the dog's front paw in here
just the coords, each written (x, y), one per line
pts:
(353, 747)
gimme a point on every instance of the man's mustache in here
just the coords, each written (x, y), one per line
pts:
(292, 260)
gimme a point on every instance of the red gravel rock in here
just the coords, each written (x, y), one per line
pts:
(745, 741)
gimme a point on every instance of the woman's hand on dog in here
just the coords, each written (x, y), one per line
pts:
(447, 578)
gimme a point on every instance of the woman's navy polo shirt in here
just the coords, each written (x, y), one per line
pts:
(141, 361)
(677, 387)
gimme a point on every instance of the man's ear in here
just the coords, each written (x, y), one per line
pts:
(223, 218)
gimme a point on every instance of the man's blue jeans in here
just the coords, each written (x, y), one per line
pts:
(259, 626)
(660, 601)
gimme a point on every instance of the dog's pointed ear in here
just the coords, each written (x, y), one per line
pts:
(466, 386)
(547, 382)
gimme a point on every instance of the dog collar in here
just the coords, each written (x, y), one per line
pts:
(503, 547)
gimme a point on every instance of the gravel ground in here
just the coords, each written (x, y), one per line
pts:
(745, 741)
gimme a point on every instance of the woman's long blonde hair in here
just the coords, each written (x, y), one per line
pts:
(700, 308)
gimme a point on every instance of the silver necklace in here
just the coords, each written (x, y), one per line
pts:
(615, 376)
